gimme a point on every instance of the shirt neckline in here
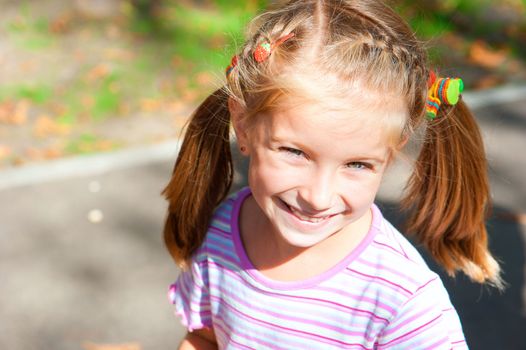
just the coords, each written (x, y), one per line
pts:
(253, 272)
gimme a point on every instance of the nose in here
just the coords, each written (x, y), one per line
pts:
(318, 191)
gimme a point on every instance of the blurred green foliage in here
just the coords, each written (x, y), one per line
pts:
(498, 23)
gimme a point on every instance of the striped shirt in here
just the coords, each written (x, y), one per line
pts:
(381, 296)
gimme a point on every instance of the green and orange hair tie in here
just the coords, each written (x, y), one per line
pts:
(442, 91)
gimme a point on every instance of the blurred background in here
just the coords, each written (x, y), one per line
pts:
(82, 265)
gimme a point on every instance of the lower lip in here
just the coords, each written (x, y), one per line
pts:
(302, 223)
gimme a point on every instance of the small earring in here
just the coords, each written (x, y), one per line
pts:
(242, 149)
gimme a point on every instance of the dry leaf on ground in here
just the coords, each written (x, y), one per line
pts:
(45, 127)
(5, 151)
(128, 346)
(480, 53)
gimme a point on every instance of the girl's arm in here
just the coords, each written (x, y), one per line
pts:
(200, 339)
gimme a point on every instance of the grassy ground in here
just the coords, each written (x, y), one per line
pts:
(74, 80)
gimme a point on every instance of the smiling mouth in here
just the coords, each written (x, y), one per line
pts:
(306, 218)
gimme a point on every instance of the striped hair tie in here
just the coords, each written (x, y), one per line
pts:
(442, 91)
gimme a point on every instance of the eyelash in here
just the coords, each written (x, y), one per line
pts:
(298, 153)
(293, 151)
(360, 165)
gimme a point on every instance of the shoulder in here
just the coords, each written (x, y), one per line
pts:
(417, 297)
(223, 229)
(392, 261)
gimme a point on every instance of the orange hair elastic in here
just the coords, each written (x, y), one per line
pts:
(261, 53)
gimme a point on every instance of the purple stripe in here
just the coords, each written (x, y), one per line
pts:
(318, 337)
(359, 297)
(219, 325)
(286, 297)
(381, 279)
(400, 338)
(438, 342)
(225, 254)
(266, 312)
(390, 248)
(406, 322)
(300, 298)
(426, 284)
(382, 268)
(224, 234)
(463, 341)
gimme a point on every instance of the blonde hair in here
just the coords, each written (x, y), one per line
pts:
(341, 43)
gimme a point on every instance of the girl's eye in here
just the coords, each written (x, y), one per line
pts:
(359, 165)
(293, 151)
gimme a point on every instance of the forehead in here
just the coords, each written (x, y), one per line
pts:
(360, 113)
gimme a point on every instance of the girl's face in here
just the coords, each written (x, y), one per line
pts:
(315, 172)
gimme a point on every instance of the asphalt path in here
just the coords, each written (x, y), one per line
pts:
(82, 261)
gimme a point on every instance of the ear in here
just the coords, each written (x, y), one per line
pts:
(237, 113)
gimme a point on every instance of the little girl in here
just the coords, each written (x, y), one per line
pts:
(321, 97)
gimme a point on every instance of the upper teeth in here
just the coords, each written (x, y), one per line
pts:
(307, 218)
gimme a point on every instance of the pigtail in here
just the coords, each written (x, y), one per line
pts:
(201, 178)
(448, 196)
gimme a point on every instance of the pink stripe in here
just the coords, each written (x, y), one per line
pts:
(391, 248)
(225, 234)
(400, 338)
(374, 303)
(438, 342)
(226, 334)
(223, 254)
(221, 269)
(318, 337)
(382, 268)
(266, 312)
(406, 322)
(381, 279)
(301, 298)
(425, 284)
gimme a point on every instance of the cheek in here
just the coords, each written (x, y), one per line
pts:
(265, 171)
(362, 193)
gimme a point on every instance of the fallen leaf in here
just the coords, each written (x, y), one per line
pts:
(21, 112)
(5, 151)
(189, 95)
(46, 126)
(166, 86)
(480, 53)
(204, 78)
(14, 113)
(128, 346)
(177, 61)
(28, 66)
(5, 112)
(34, 153)
(113, 31)
(61, 24)
(98, 72)
(118, 54)
(87, 101)
(175, 107)
(52, 152)
(149, 104)
(488, 81)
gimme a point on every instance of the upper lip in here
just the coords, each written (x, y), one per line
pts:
(309, 214)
